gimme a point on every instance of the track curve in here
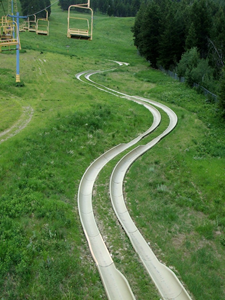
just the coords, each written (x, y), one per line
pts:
(115, 284)
(165, 280)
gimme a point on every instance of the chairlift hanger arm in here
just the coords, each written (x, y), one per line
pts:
(20, 17)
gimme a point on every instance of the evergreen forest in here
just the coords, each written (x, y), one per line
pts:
(29, 7)
(185, 36)
(117, 8)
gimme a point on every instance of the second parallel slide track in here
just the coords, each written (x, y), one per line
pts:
(116, 285)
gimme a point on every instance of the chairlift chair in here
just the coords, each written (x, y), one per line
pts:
(43, 25)
(29, 25)
(23, 27)
(32, 23)
(84, 26)
(9, 33)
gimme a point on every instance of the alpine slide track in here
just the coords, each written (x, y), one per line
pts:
(115, 284)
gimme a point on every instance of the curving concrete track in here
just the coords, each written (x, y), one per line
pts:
(166, 281)
(115, 283)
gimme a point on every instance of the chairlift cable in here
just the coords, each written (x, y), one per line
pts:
(38, 11)
(43, 9)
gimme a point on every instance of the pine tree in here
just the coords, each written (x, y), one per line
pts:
(149, 33)
(191, 40)
(110, 10)
(222, 93)
(136, 29)
(172, 37)
(217, 40)
(202, 21)
(30, 7)
(135, 5)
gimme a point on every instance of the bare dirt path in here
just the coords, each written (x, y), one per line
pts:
(19, 125)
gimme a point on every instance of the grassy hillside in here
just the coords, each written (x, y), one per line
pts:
(174, 192)
(4, 6)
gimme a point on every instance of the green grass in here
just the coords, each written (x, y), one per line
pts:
(179, 204)
(10, 110)
(174, 192)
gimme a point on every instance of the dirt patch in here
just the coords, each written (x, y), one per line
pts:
(23, 121)
(178, 240)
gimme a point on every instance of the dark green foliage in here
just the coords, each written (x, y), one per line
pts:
(202, 22)
(159, 32)
(20, 84)
(188, 62)
(66, 3)
(217, 41)
(30, 7)
(194, 68)
(146, 31)
(137, 28)
(118, 8)
(164, 29)
(191, 39)
(182, 25)
(222, 93)
(171, 40)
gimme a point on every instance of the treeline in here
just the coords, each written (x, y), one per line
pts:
(64, 4)
(30, 7)
(186, 36)
(117, 8)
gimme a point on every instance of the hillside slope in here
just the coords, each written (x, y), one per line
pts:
(174, 193)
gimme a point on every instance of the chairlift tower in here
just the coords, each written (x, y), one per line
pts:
(9, 29)
(9, 32)
(12, 7)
